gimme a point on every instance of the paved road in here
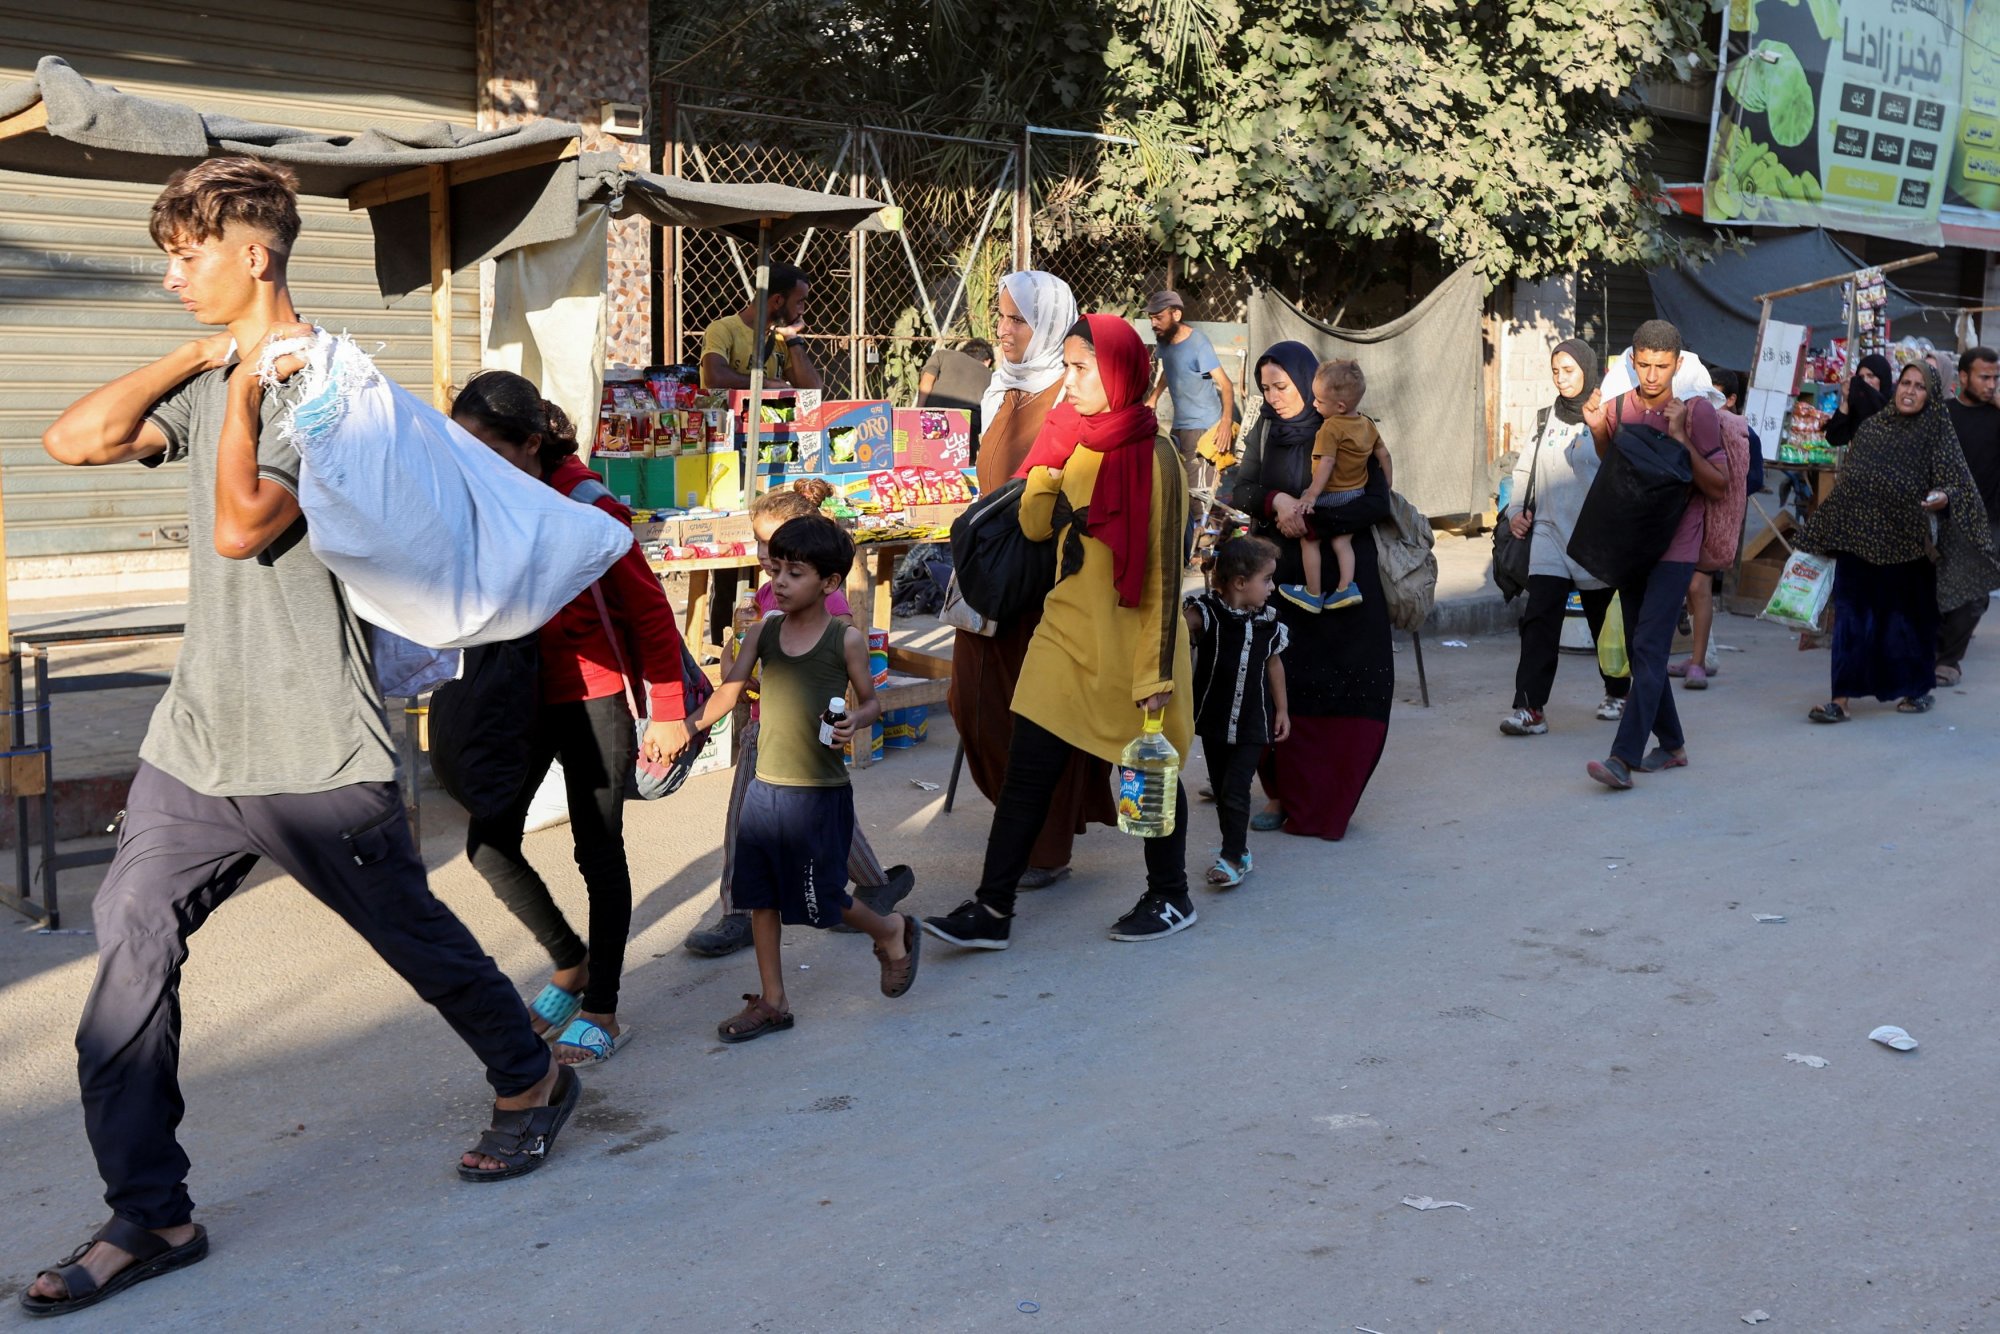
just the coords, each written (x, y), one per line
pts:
(1507, 988)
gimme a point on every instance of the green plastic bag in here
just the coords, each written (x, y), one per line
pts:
(1611, 659)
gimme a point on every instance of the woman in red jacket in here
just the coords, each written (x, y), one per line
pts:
(585, 722)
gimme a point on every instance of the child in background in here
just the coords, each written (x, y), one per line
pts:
(1341, 452)
(881, 889)
(797, 822)
(1239, 687)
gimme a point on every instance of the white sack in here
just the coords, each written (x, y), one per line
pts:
(436, 537)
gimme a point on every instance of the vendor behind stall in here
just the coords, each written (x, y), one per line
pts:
(728, 345)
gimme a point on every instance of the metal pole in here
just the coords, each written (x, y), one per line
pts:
(857, 283)
(675, 257)
(754, 428)
(1024, 205)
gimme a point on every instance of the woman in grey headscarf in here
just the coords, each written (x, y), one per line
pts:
(1036, 311)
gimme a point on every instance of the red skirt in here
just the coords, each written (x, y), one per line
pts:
(1320, 771)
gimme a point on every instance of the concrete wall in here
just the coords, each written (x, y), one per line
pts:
(564, 61)
(1542, 314)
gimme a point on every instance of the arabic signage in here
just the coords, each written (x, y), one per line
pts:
(1879, 116)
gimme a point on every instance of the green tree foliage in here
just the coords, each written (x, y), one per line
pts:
(1336, 135)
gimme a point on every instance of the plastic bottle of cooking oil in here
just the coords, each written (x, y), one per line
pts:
(1149, 774)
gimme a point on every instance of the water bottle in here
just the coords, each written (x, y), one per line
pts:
(1149, 774)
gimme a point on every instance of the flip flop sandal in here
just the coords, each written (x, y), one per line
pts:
(1828, 712)
(1659, 758)
(521, 1140)
(555, 1007)
(1226, 874)
(1614, 773)
(152, 1255)
(1266, 822)
(1949, 676)
(1921, 704)
(756, 1019)
(899, 973)
(593, 1040)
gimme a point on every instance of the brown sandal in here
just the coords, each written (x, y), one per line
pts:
(756, 1019)
(898, 974)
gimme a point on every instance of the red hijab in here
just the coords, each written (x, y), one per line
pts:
(1120, 512)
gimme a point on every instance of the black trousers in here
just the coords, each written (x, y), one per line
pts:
(1035, 764)
(1231, 766)
(1956, 627)
(180, 855)
(597, 743)
(1541, 637)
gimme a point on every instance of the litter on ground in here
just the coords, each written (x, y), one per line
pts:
(1426, 1202)
(1816, 1062)
(1891, 1036)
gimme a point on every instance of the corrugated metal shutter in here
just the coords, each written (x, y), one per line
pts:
(80, 296)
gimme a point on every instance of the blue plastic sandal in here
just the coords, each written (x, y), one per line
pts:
(1226, 874)
(555, 1007)
(592, 1039)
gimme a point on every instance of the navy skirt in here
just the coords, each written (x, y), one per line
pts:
(1885, 628)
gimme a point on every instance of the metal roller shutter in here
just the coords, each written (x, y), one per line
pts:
(80, 296)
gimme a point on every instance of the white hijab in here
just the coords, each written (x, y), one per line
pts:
(1046, 303)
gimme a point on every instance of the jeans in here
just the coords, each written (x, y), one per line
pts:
(1231, 766)
(1035, 766)
(1541, 638)
(1652, 607)
(181, 853)
(597, 742)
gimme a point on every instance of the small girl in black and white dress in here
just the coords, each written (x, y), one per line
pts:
(1239, 687)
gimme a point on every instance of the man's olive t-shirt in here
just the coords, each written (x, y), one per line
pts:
(275, 689)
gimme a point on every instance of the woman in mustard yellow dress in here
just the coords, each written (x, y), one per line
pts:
(1109, 491)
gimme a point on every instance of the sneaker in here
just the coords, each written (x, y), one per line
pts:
(1523, 722)
(727, 936)
(1347, 597)
(1154, 917)
(881, 899)
(1697, 677)
(1299, 597)
(1612, 709)
(970, 926)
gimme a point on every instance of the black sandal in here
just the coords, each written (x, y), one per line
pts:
(152, 1255)
(1829, 712)
(1917, 704)
(521, 1140)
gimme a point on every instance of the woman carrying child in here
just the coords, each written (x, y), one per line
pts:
(585, 721)
(880, 889)
(1112, 495)
(1239, 687)
(796, 828)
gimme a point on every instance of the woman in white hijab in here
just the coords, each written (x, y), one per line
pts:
(1036, 312)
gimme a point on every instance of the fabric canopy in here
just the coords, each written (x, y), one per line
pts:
(1426, 386)
(674, 201)
(95, 132)
(1714, 304)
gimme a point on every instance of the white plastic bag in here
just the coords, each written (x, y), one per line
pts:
(1803, 589)
(436, 537)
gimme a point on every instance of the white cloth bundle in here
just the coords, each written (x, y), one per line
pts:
(437, 538)
(1691, 379)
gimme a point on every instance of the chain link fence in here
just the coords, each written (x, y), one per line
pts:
(881, 302)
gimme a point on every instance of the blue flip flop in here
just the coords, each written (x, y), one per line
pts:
(555, 1007)
(592, 1038)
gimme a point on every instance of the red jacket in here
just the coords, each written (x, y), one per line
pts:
(577, 659)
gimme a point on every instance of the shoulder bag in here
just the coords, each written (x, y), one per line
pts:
(1511, 554)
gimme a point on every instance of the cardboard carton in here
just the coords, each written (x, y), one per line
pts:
(938, 438)
(851, 436)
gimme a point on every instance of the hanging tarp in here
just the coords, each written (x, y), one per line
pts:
(1714, 303)
(674, 201)
(95, 132)
(1426, 386)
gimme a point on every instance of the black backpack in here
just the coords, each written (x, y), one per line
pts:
(479, 725)
(1001, 574)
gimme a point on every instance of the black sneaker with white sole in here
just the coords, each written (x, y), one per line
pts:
(971, 927)
(1155, 917)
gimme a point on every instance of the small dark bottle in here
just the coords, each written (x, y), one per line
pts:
(836, 713)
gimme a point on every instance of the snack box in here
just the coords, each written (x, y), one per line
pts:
(851, 435)
(938, 438)
(780, 413)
